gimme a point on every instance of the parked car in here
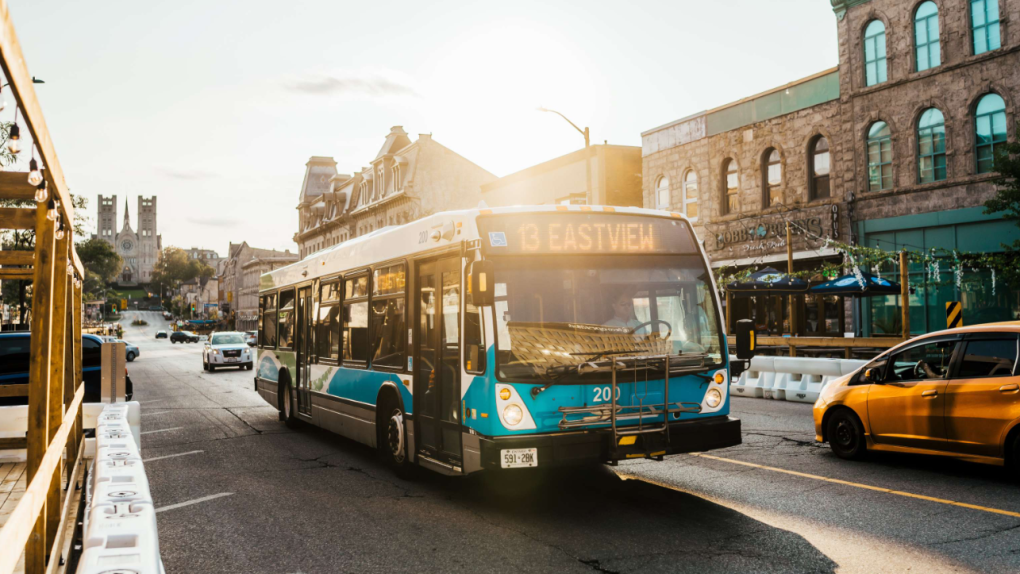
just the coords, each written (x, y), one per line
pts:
(229, 349)
(952, 393)
(108, 338)
(131, 351)
(14, 363)
(161, 334)
(252, 338)
(183, 337)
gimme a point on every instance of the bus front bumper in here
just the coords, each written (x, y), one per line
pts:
(594, 446)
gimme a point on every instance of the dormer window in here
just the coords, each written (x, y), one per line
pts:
(395, 170)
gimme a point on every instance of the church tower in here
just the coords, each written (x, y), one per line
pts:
(107, 220)
(148, 244)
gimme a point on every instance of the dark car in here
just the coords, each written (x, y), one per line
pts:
(14, 358)
(183, 337)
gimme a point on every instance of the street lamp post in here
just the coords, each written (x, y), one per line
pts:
(587, 152)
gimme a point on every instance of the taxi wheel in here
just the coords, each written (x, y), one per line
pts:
(1013, 456)
(846, 435)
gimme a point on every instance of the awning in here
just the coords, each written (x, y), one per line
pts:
(850, 286)
(768, 281)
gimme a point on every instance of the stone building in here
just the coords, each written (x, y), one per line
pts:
(891, 149)
(406, 180)
(140, 249)
(609, 174)
(232, 281)
(207, 256)
(201, 294)
(247, 313)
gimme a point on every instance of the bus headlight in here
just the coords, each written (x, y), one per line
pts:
(712, 398)
(512, 415)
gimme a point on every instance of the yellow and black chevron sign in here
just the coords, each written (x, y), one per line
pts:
(954, 314)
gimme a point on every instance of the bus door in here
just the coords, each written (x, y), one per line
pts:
(437, 359)
(304, 349)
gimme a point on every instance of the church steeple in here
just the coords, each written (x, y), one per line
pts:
(127, 217)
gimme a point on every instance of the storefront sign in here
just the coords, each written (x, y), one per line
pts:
(761, 233)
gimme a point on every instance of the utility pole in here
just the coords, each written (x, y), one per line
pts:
(789, 271)
(587, 153)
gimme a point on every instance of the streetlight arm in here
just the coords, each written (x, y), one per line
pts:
(583, 132)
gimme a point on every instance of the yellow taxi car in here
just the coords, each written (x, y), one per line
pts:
(951, 393)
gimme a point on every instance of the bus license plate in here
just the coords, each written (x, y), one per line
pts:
(518, 457)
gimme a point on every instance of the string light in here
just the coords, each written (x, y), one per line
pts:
(51, 210)
(34, 175)
(41, 194)
(14, 140)
(59, 234)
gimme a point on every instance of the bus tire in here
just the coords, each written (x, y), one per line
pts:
(392, 431)
(846, 435)
(286, 403)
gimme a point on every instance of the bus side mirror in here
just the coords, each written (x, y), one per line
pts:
(745, 339)
(482, 283)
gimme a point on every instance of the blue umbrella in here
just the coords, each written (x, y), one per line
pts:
(850, 286)
(768, 281)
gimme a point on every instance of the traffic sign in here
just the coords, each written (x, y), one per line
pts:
(954, 314)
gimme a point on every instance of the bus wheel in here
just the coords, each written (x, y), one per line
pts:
(393, 443)
(286, 405)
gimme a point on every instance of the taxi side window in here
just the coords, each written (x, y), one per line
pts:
(989, 358)
(920, 363)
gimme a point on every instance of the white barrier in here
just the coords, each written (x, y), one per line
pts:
(14, 424)
(794, 379)
(120, 519)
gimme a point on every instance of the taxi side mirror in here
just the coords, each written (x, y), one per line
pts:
(870, 376)
(481, 283)
(745, 339)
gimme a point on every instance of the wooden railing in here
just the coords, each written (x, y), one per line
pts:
(54, 389)
(845, 343)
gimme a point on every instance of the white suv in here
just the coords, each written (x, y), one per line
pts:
(226, 350)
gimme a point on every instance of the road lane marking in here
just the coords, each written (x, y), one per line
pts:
(156, 413)
(195, 501)
(150, 401)
(161, 430)
(172, 455)
(832, 480)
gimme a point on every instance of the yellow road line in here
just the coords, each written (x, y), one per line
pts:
(826, 479)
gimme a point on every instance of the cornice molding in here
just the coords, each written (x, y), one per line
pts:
(841, 6)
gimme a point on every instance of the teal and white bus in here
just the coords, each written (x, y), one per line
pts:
(504, 338)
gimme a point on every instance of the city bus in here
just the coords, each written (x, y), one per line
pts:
(504, 338)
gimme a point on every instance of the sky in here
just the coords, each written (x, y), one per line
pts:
(215, 106)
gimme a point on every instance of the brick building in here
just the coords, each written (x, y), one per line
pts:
(406, 180)
(612, 173)
(891, 149)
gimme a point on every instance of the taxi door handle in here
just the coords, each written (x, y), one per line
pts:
(1012, 387)
(930, 394)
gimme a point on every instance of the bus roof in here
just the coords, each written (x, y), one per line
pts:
(409, 239)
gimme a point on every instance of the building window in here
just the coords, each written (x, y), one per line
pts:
(879, 157)
(396, 178)
(327, 324)
(990, 124)
(662, 193)
(818, 169)
(931, 146)
(874, 53)
(984, 19)
(731, 203)
(355, 337)
(388, 317)
(772, 168)
(690, 193)
(926, 36)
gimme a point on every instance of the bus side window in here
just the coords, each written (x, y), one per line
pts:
(355, 336)
(269, 322)
(327, 325)
(389, 317)
(474, 338)
(285, 320)
(261, 327)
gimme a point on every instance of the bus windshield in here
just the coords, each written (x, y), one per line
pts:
(560, 311)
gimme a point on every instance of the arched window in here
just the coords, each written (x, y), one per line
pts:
(818, 168)
(926, 36)
(931, 146)
(984, 21)
(731, 203)
(874, 53)
(772, 169)
(990, 125)
(879, 157)
(662, 193)
(690, 193)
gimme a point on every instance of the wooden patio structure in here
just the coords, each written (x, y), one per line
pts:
(55, 388)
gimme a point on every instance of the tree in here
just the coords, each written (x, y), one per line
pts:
(98, 256)
(173, 267)
(1007, 199)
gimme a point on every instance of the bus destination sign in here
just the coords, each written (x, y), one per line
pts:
(584, 233)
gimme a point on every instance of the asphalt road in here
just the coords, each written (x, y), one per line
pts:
(240, 492)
